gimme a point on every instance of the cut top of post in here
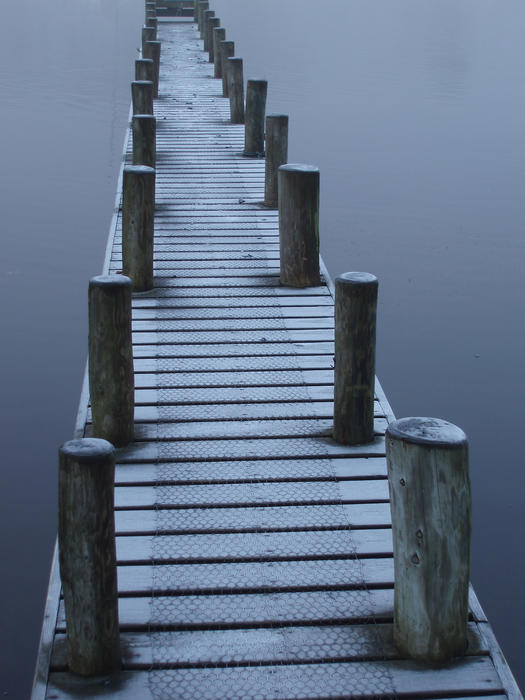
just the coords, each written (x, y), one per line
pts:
(107, 280)
(88, 450)
(428, 431)
(357, 278)
(300, 168)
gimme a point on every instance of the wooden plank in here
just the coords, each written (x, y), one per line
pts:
(254, 378)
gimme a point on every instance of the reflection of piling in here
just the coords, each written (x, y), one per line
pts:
(431, 526)
(355, 350)
(299, 225)
(276, 155)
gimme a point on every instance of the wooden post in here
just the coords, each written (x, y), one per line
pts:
(227, 50)
(152, 23)
(213, 23)
(152, 50)
(206, 16)
(142, 96)
(276, 155)
(254, 120)
(203, 6)
(144, 137)
(235, 79)
(299, 225)
(219, 34)
(111, 384)
(138, 206)
(195, 10)
(144, 70)
(431, 526)
(355, 351)
(150, 6)
(148, 34)
(86, 545)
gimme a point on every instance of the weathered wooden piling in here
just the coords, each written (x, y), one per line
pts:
(234, 74)
(152, 23)
(144, 127)
(227, 50)
(111, 383)
(196, 10)
(86, 539)
(138, 207)
(142, 97)
(431, 526)
(152, 50)
(299, 225)
(148, 34)
(355, 346)
(206, 16)
(276, 155)
(219, 34)
(203, 6)
(256, 90)
(213, 24)
(144, 68)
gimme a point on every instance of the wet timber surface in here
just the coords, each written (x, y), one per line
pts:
(254, 552)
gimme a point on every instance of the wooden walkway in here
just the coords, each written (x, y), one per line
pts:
(255, 554)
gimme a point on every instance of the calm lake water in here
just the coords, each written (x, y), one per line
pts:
(413, 110)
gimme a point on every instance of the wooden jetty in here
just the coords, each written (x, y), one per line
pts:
(254, 552)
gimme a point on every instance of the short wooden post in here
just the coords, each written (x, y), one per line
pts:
(203, 6)
(111, 384)
(235, 89)
(227, 50)
(219, 34)
(256, 91)
(213, 23)
(299, 225)
(86, 545)
(150, 6)
(195, 10)
(144, 70)
(152, 23)
(152, 50)
(138, 206)
(142, 96)
(206, 16)
(276, 155)
(431, 526)
(148, 34)
(144, 137)
(355, 351)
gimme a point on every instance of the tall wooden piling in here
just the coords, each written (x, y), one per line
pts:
(431, 526)
(144, 69)
(86, 539)
(219, 34)
(213, 23)
(148, 34)
(227, 50)
(152, 50)
(111, 381)
(144, 127)
(142, 97)
(299, 225)
(206, 16)
(256, 90)
(203, 6)
(276, 155)
(152, 23)
(234, 74)
(355, 351)
(138, 208)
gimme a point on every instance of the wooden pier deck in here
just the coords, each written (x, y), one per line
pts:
(254, 553)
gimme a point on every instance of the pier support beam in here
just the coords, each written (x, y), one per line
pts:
(276, 155)
(235, 77)
(299, 225)
(431, 526)
(86, 542)
(355, 351)
(111, 380)
(256, 91)
(138, 209)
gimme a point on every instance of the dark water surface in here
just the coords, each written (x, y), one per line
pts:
(412, 109)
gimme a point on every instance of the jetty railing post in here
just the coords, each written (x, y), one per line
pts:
(152, 23)
(227, 50)
(203, 6)
(355, 351)
(429, 487)
(299, 225)
(276, 155)
(144, 128)
(142, 97)
(144, 70)
(152, 50)
(235, 77)
(206, 16)
(256, 91)
(111, 381)
(148, 34)
(86, 543)
(219, 34)
(196, 10)
(138, 207)
(213, 24)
